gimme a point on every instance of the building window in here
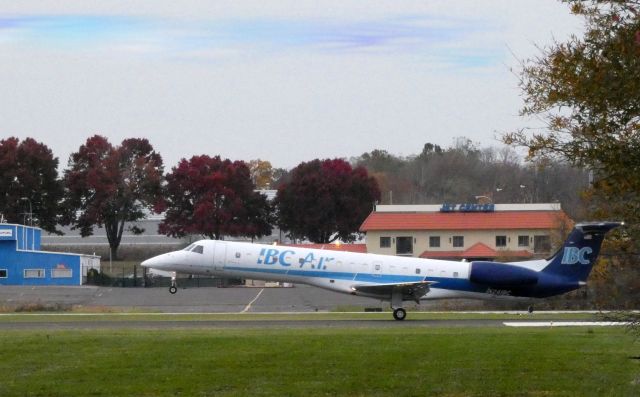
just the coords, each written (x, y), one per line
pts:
(541, 244)
(3, 273)
(61, 273)
(404, 245)
(33, 273)
(458, 241)
(501, 241)
(523, 241)
(385, 242)
(434, 241)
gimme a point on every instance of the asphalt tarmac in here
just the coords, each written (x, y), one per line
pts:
(300, 298)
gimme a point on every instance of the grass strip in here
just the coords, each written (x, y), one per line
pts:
(319, 362)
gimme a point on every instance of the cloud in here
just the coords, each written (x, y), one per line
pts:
(451, 40)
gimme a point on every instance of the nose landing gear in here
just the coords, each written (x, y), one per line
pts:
(173, 288)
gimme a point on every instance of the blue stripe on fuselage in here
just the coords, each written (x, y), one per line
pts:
(444, 283)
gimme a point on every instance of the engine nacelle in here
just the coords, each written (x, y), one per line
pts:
(502, 275)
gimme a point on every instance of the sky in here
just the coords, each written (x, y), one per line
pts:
(283, 81)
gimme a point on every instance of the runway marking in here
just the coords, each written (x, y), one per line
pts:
(246, 309)
(564, 323)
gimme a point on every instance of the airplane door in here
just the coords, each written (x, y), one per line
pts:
(219, 255)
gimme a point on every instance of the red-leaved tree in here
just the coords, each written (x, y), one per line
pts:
(109, 186)
(30, 190)
(214, 198)
(325, 201)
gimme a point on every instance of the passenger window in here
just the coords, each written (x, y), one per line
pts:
(237, 255)
(455, 274)
(198, 249)
(417, 270)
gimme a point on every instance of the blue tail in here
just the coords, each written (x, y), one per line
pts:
(573, 262)
(565, 271)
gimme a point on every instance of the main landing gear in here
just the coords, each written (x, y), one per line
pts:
(396, 304)
(173, 288)
(399, 314)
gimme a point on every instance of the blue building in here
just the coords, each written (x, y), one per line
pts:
(22, 262)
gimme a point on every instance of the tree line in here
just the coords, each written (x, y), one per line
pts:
(110, 186)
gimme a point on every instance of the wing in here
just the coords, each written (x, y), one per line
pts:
(410, 291)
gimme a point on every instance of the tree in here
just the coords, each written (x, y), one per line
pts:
(587, 92)
(29, 183)
(326, 200)
(109, 186)
(214, 198)
(261, 173)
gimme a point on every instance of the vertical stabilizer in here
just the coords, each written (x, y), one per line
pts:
(580, 250)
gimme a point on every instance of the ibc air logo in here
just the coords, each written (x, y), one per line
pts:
(573, 255)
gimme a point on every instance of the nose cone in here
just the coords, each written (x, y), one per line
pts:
(157, 262)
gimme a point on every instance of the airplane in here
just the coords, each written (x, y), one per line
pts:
(393, 278)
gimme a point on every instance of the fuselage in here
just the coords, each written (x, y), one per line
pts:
(394, 278)
(333, 270)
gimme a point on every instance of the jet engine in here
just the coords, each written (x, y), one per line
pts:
(502, 275)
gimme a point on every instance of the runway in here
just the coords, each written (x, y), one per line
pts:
(253, 308)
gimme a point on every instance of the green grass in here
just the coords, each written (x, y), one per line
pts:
(328, 361)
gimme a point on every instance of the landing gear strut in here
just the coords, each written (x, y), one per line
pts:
(396, 304)
(399, 314)
(173, 289)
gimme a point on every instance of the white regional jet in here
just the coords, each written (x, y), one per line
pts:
(393, 278)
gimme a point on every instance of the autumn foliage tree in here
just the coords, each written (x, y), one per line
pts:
(110, 186)
(587, 91)
(261, 173)
(213, 197)
(29, 183)
(326, 200)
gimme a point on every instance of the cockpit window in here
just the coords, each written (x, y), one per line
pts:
(198, 249)
(188, 248)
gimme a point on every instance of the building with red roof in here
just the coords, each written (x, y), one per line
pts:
(466, 231)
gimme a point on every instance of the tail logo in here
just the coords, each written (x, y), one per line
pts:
(573, 255)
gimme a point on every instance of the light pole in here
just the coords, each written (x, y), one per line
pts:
(523, 192)
(30, 222)
(30, 210)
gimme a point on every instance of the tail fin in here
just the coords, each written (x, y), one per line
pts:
(580, 250)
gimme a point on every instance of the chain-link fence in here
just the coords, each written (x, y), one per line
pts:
(137, 276)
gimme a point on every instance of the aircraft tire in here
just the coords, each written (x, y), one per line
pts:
(530, 309)
(173, 289)
(399, 314)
